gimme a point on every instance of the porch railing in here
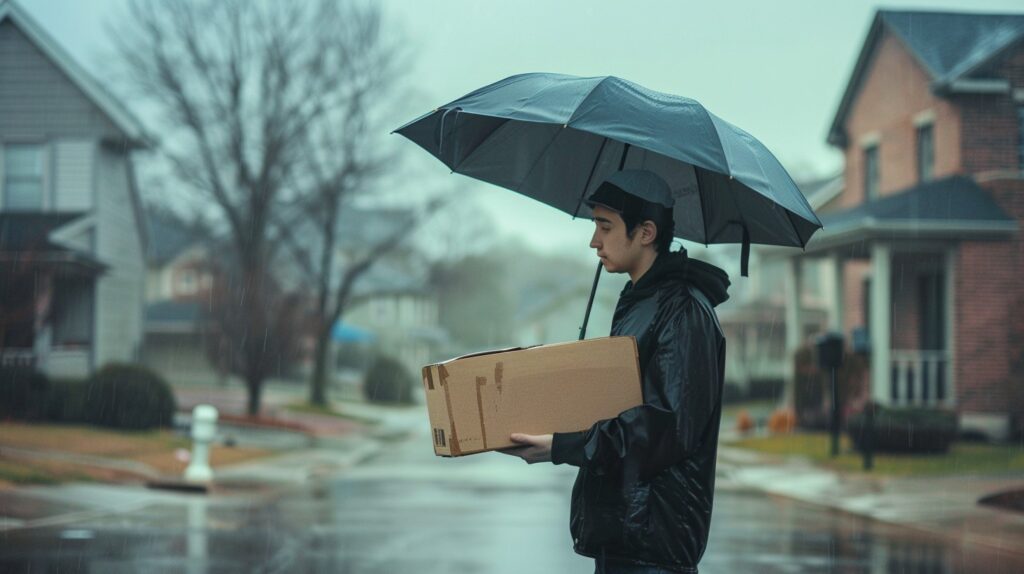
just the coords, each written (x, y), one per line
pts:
(17, 358)
(920, 378)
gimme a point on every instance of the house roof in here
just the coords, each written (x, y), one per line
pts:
(118, 114)
(31, 230)
(173, 316)
(25, 237)
(950, 46)
(357, 228)
(169, 236)
(821, 190)
(952, 208)
(385, 277)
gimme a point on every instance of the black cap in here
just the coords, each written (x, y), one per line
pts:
(634, 191)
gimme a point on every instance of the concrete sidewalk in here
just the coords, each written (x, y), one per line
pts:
(945, 506)
(332, 452)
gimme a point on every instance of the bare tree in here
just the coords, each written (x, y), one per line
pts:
(340, 158)
(241, 87)
(335, 274)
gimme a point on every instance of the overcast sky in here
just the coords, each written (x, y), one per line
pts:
(776, 69)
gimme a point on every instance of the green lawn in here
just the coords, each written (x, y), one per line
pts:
(157, 449)
(753, 408)
(963, 457)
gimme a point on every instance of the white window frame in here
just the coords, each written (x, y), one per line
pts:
(869, 194)
(46, 164)
(918, 128)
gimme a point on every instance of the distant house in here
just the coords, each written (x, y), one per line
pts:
(551, 308)
(754, 317)
(177, 259)
(179, 284)
(924, 241)
(71, 231)
(395, 303)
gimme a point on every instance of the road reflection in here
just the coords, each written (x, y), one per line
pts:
(410, 512)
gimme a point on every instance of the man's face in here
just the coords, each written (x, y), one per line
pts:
(617, 251)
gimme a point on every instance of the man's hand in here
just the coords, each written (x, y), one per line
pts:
(535, 448)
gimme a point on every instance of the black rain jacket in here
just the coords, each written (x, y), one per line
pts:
(647, 477)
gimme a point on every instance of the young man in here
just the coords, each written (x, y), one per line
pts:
(642, 498)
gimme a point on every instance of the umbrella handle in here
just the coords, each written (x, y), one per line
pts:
(590, 303)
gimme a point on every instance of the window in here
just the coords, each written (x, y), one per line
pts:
(925, 153)
(187, 282)
(72, 318)
(23, 177)
(871, 172)
(1020, 137)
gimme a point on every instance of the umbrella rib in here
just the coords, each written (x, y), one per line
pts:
(572, 116)
(714, 129)
(700, 194)
(593, 168)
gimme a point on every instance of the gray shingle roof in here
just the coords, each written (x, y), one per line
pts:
(168, 236)
(180, 314)
(29, 232)
(957, 198)
(388, 278)
(949, 45)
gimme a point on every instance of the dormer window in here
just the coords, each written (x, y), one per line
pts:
(925, 152)
(23, 177)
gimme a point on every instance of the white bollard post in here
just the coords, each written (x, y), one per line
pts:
(204, 429)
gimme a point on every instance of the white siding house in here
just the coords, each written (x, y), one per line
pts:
(70, 227)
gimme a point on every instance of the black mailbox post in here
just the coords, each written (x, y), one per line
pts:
(830, 358)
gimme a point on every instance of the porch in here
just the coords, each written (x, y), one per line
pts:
(47, 298)
(892, 265)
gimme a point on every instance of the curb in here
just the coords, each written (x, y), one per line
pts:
(804, 478)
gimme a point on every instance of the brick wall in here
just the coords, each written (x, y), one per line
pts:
(854, 272)
(990, 316)
(895, 89)
(991, 132)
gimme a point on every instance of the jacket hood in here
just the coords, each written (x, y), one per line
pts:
(678, 266)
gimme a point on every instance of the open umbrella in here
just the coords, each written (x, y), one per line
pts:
(556, 137)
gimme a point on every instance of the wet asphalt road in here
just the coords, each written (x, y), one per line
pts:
(407, 511)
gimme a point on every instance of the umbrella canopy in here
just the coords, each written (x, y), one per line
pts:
(556, 137)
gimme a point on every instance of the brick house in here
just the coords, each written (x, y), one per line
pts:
(924, 240)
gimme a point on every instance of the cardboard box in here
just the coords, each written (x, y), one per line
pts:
(475, 402)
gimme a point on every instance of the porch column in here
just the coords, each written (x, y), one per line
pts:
(881, 320)
(794, 325)
(835, 293)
